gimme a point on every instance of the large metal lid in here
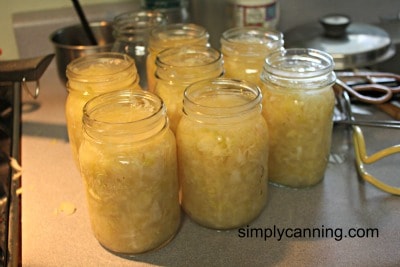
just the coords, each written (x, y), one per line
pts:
(351, 45)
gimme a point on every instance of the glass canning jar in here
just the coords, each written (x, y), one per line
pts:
(298, 106)
(179, 67)
(128, 162)
(90, 76)
(131, 33)
(175, 10)
(222, 142)
(169, 36)
(245, 49)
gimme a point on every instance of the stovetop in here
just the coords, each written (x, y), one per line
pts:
(14, 75)
(6, 141)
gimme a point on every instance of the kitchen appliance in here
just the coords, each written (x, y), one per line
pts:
(14, 75)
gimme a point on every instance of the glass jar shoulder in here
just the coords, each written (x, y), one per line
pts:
(124, 145)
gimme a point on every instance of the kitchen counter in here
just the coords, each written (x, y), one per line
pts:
(56, 230)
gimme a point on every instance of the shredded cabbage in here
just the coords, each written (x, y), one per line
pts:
(132, 192)
(300, 125)
(223, 171)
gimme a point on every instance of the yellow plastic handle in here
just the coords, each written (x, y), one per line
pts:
(362, 157)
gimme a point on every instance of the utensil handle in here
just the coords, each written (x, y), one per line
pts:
(84, 22)
(390, 109)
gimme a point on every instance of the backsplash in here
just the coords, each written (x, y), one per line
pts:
(32, 29)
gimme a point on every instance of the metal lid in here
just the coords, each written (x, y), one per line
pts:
(351, 45)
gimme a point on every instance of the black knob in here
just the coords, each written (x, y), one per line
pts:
(335, 25)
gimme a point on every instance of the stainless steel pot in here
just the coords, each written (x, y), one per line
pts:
(351, 44)
(71, 42)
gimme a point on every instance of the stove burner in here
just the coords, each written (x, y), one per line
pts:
(6, 139)
(13, 75)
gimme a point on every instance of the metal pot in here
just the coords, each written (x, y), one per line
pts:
(352, 45)
(71, 42)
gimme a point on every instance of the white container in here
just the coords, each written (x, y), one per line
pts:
(263, 13)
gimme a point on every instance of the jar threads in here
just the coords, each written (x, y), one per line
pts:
(298, 106)
(179, 67)
(168, 36)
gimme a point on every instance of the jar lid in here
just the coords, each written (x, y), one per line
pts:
(350, 44)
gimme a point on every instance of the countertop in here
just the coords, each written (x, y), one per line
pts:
(55, 235)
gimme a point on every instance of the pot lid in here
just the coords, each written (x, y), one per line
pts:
(350, 44)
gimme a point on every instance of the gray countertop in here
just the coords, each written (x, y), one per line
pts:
(52, 236)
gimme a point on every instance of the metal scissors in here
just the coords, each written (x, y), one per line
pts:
(357, 84)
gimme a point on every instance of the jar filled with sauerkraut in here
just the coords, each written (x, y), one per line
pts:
(222, 142)
(90, 76)
(245, 49)
(129, 167)
(169, 36)
(298, 106)
(179, 67)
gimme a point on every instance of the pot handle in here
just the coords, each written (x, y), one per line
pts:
(30, 69)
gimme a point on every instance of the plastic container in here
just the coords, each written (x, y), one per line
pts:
(90, 76)
(264, 13)
(128, 162)
(222, 145)
(298, 106)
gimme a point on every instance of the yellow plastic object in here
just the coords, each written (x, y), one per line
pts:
(362, 157)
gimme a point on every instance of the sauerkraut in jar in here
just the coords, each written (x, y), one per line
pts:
(222, 145)
(169, 36)
(90, 76)
(129, 165)
(298, 107)
(245, 49)
(179, 67)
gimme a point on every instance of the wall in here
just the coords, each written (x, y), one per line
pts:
(209, 13)
(8, 43)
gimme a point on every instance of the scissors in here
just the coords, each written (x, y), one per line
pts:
(359, 83)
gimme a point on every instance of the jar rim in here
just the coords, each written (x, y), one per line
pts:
(220, 86)
(215, 55)
(121, 97)
(162, 34)
(117, 101)
(299, 63)
(252, 34)
(142, 20)
(87, 60)
(250, 41)
(190, 63)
